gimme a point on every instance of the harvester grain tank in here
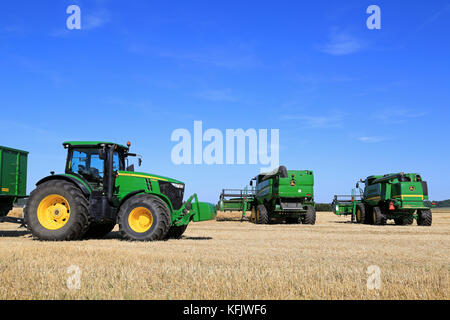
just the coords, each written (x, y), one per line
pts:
(396, 196)
(276, 196)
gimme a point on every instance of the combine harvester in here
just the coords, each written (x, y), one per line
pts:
(396, 196)
(280, 195)
(99, 190)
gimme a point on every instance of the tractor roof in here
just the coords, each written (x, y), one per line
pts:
(90, 144)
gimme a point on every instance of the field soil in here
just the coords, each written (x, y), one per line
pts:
(229, 259)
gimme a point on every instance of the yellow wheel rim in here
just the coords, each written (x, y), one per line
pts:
(374, 217)
(53, 212)
(358, 215)
(140, 219)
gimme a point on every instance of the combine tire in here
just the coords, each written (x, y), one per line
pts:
(310, 215)
(99, 230)
(378, 218)
(360, 213)
(405, 221)
(262, 217)
(175, 232)
(424, 217)
(56, 211)
(144, 218)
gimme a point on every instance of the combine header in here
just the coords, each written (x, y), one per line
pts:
(277, 196)
(396, 196)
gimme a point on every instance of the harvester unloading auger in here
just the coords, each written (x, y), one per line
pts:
(396, 196)
(276, 196)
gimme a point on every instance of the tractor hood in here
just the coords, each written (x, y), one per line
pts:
(147, 176)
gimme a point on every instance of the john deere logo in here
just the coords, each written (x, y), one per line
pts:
(412, 188)
(292, 182)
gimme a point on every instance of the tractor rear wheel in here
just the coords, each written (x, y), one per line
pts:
(56, 211)
(262, 216)
(144, 218)
(424, 217)
(175, 232)
(360, 213)
(99, 230)
(310, 215)
(378, 218)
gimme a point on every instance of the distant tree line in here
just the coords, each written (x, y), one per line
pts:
(325, 207)
(438, 204)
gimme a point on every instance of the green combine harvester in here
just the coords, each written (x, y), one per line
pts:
(396, 196)
(97, 191)
(13, 180)
(277, 196)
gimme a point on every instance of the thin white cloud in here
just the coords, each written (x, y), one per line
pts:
(342, 43)
(371, 139)
(398, 115)
(331, 121)
(217, 95)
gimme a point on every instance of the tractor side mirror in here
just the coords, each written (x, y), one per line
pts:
(357, 185)
(251, 183)
(140, 162)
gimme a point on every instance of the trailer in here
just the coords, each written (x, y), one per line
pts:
(13, 180)
(278, 196)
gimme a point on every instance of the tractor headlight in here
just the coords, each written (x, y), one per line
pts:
(178, 185)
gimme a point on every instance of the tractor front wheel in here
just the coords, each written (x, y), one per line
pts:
(57, 210)
(424, 218)
(144, 218)
(360, 213)
(378, 218)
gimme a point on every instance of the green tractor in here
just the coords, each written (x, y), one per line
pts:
(280, 195)
(99, 190)
(396, 196)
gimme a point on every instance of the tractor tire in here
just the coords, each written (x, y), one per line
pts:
(378, 218)
(310, 216)
(99, 230)
(144, 217)
(424, 218)
(262, 216)
(176, 232)
(405, 221)
(361, 213)
(57, 211)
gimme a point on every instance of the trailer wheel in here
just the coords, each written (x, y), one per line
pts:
(99, 230)
(57, 211)
(360, 213)
(310, 216)
(378, 218)
(424, 217)
(5, 207)
(175, 232)
(262, 217)
(144, 218)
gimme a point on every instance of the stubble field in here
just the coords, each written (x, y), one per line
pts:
(229, 259)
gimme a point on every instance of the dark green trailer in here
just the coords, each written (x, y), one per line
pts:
(13, 178)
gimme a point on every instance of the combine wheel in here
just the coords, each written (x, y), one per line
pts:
(310, 216)
(378, 218)
(144, 218)
(424, 217)
(360, 213)
(57, 210)
(175, 232)
(262, 217)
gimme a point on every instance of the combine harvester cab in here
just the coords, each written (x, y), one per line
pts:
(13, 180)
(99, 190)
(396, 196)
(278, 196)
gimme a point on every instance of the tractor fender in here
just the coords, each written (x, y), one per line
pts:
(160, 196)
(76, 182)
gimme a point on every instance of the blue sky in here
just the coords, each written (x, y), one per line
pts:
(348, 101)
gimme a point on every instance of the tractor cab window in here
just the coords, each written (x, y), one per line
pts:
(86, 163)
